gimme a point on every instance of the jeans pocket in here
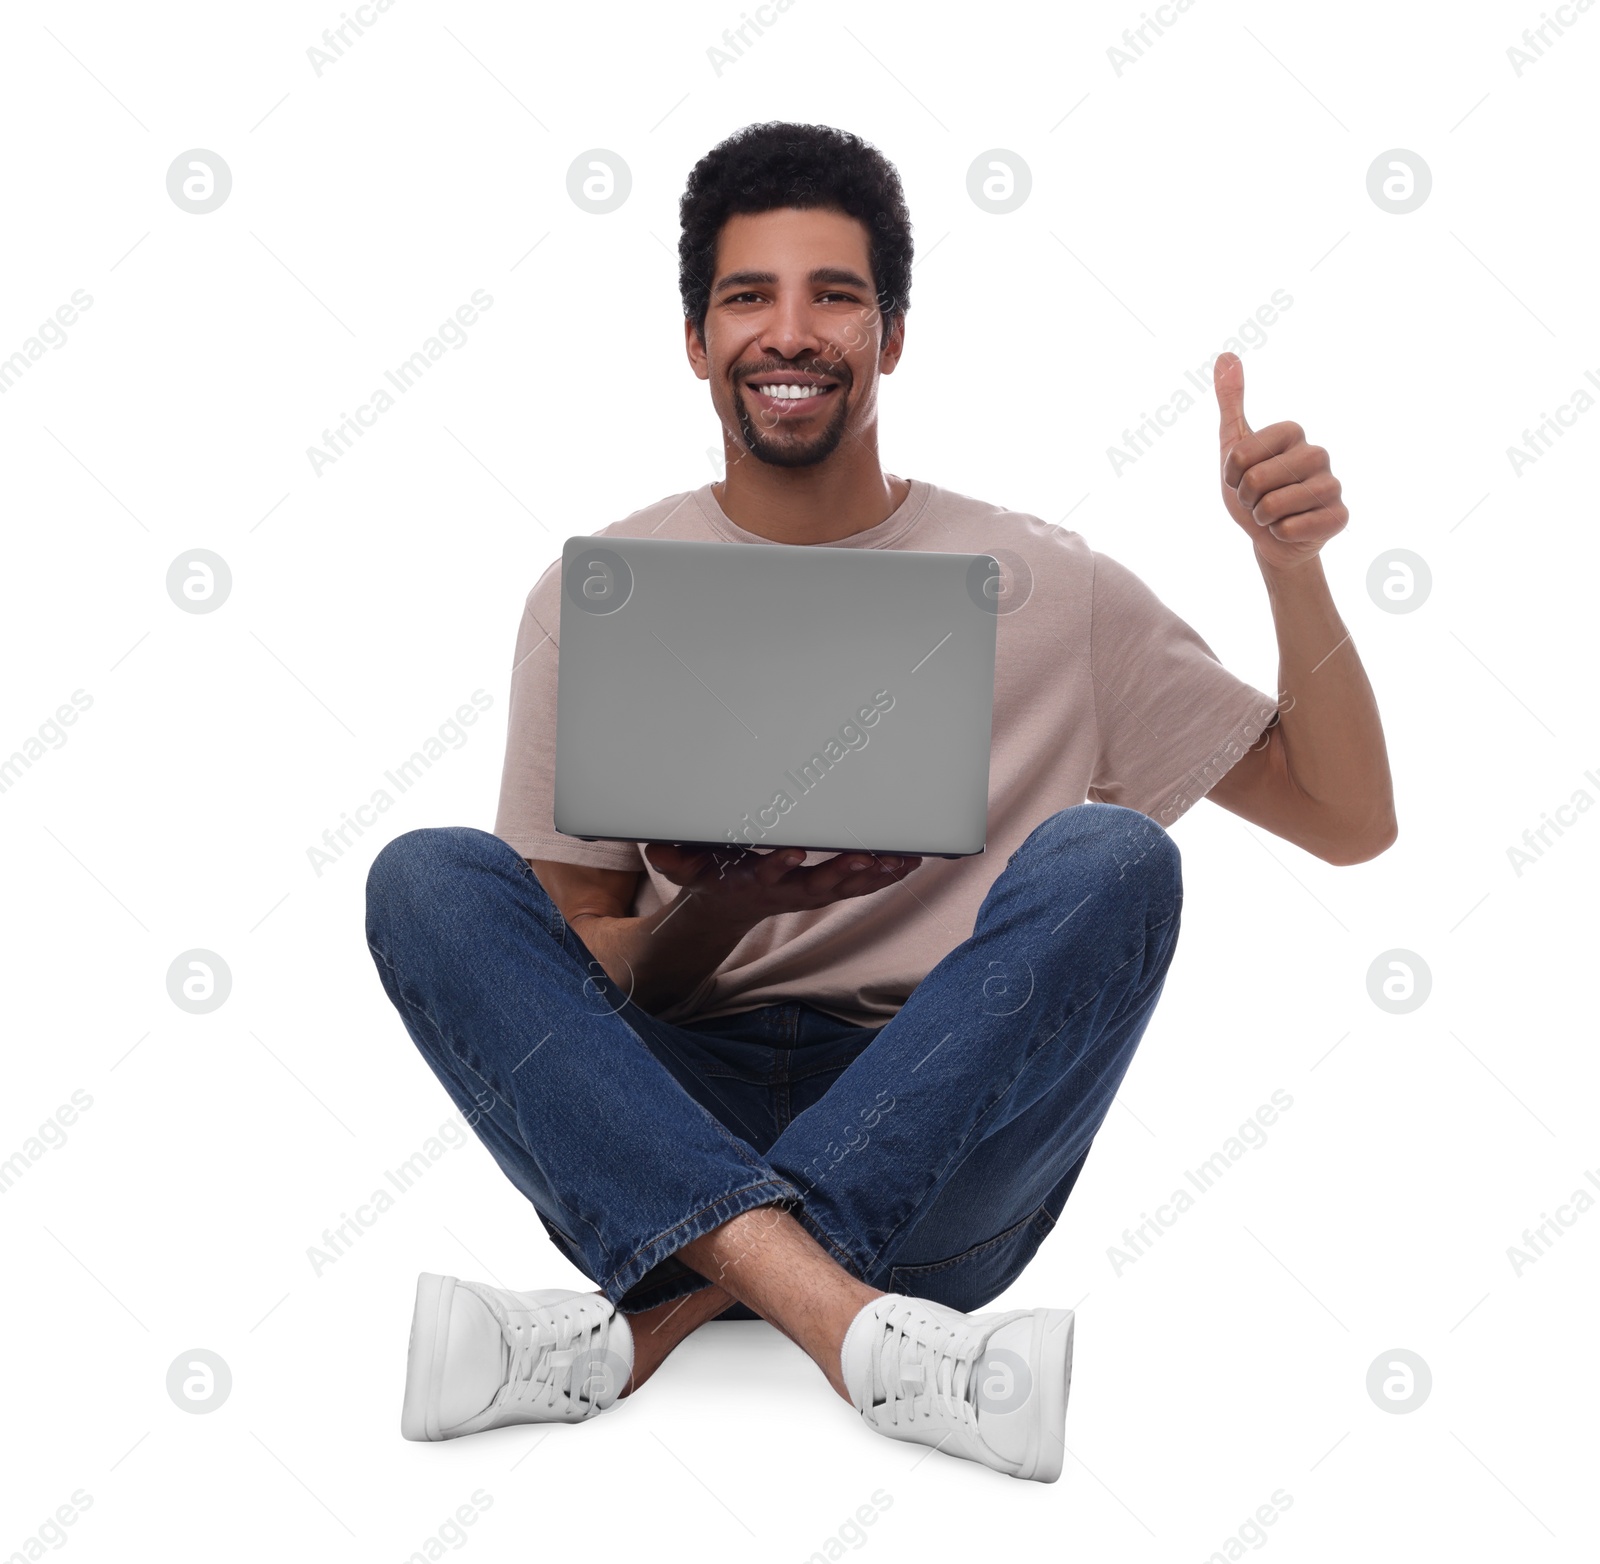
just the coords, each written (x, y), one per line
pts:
(967, 1281)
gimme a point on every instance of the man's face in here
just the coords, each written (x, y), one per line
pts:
(792, 334)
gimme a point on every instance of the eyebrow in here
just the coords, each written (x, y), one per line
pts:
(834, 274)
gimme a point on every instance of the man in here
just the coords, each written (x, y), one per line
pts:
(850, 1096)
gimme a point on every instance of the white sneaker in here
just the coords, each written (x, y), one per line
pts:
(481, 1357)
(985, 1387)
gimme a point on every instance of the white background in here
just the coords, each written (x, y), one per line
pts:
(1167, 203)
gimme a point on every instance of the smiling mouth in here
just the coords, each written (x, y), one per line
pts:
(788, 397)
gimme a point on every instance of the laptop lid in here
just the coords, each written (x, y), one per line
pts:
(775, 695)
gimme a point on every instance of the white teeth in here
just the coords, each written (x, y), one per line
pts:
(790, 393)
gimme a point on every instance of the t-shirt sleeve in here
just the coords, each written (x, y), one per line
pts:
(526, 815)
(1170, 719)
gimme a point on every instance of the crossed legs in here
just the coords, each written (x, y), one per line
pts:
(767, 1261)
(957, 1123)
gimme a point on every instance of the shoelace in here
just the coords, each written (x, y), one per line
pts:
(545, 1351)
(926, 1368)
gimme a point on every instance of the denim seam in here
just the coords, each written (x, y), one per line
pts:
(554, 923)
(666, 1292)
(784, 1078)
(813, 1226)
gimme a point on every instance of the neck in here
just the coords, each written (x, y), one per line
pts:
(847, 494)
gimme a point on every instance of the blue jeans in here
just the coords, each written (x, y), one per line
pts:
(928, 1156)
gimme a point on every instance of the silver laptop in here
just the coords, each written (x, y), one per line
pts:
(775, 695)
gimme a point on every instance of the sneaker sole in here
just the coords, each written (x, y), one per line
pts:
(430, 1327)
(1052, 1342)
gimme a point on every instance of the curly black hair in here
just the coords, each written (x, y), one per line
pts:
(767, 166)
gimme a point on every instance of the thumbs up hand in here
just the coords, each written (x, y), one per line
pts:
(1279, 489)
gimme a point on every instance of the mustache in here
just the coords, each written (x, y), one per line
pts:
(821, 369)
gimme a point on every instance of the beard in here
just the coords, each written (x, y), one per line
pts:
(783, 447)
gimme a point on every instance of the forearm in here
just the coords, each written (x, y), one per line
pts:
(659, 959)
(1328, 717)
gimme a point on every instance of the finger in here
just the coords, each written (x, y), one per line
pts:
(773, 866)
(882, 869)
(1227, 376)
(851, 873)
(844, 865)
(1259, 446)
(664, 856)
(1298, 464)
(1294, 499)
(683, 865)
(1311, 526)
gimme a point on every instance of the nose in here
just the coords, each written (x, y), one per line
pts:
(790, 328)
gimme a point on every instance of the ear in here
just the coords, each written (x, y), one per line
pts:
(894, 342)
(694, 344)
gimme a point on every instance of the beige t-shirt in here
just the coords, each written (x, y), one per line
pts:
(1101, 692)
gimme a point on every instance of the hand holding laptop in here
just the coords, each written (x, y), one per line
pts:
(744, 886)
